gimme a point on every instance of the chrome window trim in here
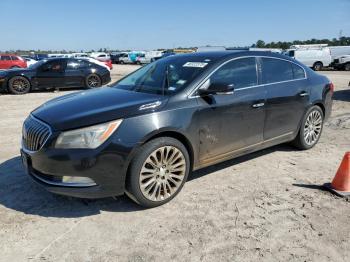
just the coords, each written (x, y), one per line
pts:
(194, 90)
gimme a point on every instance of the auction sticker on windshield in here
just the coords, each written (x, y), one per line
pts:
(195, 64)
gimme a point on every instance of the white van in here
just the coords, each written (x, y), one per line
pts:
(314, 58)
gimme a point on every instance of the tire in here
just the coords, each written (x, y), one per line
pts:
(317, 66)
(93, 81)
(138, 62)
(315, 116)
(149, 182)
(19, 85)
(121, 62)
(347, 67)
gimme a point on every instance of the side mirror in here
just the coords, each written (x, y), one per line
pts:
(217, 89)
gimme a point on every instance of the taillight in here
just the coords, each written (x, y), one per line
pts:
(331, 87)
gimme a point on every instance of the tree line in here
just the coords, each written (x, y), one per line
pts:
(342, 41)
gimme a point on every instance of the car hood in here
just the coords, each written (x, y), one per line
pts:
(95, 106)
(17, 71)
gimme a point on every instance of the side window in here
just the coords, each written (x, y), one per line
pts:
(52, 66)
(276, 70)
(73, 64)
(241, 73)
(298, 72)
(5, 58)
(14, 58)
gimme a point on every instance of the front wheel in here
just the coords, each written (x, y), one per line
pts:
(310, 129)
(19, 85)
(158, 172)
(92, 81)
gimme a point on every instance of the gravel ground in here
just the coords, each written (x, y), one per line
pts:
(265, 206)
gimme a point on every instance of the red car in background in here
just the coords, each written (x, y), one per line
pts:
(107, 63)
(8, 61)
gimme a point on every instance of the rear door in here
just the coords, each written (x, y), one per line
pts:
(51, 74)
(75, 72)
(287, 96)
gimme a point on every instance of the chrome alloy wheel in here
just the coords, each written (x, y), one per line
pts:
(313, 127)
(20, 85)
(93, 81)
(162, 173)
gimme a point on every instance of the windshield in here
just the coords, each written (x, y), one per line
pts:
(166, 76)
(38, 64)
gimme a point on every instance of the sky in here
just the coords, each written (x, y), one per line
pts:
(146, 24)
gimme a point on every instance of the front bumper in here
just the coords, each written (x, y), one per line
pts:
(106, 167)
(2, 84)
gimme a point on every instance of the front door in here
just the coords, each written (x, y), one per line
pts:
(232, 122)
(51, 74)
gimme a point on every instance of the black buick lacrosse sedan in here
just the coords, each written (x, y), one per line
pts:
(146, 133)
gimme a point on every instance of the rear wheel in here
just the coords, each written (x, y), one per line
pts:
(92, 81)
(158, 172)
(317, 66)
(347, 67)
(19, 85)
(310, 129)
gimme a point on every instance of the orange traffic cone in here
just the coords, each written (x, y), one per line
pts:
(341, 182)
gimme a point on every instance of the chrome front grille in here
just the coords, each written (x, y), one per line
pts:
(34, 134)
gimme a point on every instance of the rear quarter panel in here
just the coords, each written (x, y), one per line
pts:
(320, 92)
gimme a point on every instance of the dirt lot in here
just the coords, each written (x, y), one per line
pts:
(265, 206)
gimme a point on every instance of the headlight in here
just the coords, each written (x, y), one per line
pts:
(88, 137)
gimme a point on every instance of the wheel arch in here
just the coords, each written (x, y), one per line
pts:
(163, 133)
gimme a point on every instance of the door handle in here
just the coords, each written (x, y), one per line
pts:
(302, 94)
(258, 105)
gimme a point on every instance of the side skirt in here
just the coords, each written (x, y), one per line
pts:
(245, 150)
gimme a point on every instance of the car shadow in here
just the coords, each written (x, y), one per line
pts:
(342, 95)
(20, 193)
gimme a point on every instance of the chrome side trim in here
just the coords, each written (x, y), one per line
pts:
(231, 154)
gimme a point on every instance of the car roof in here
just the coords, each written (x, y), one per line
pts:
(228, 54)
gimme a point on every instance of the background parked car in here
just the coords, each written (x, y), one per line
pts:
(125, 59)
(8, 61)
(30, 61)
(103, 57)
(342, 63)
(54, 73)
(314, 56)
(115, 57)
(39, 57)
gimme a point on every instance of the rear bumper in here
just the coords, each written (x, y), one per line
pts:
(106, 79)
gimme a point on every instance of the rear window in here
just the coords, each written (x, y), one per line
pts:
(298, 72)
(276, 70)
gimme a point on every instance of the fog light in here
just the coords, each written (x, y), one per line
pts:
(78, 180)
